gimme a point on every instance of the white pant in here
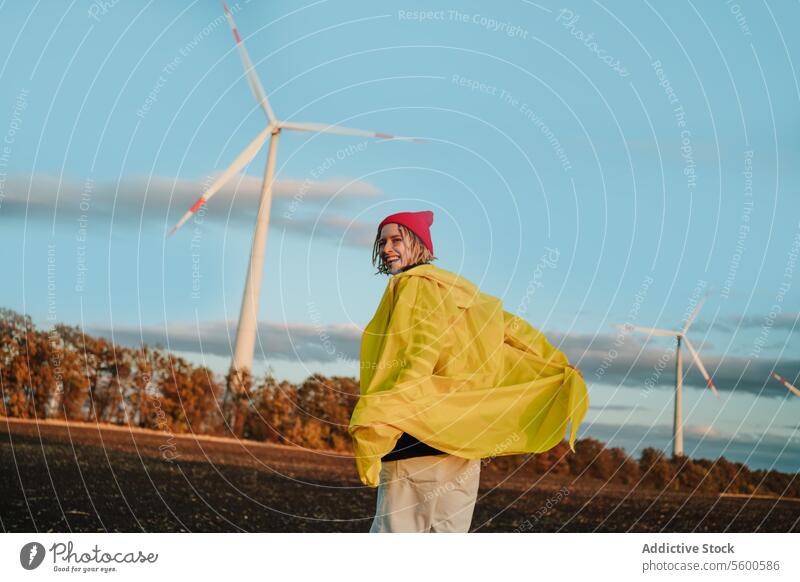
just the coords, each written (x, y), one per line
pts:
(434, 493)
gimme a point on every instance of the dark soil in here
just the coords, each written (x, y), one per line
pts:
(86, 478)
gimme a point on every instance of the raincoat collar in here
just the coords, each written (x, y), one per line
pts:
(464, 292)
(406, 268)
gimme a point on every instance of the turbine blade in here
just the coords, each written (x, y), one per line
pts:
(786, 383)
(328, 128)
(649, 330)
(238, 164)
(700, 366)
(249, 70)
(695, 311)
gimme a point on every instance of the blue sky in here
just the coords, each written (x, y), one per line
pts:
(649, 150)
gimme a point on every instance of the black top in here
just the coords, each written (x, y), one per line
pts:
(407, 267)
(407, 446)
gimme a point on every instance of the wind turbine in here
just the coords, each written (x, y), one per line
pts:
(246, 332)
(680, 336)
(786, 383)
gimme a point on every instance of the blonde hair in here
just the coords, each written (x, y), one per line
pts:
(418, 252)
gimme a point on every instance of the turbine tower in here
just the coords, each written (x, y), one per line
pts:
(680, 336)
(246, 332)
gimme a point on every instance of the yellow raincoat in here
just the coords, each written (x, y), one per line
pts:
(446, 364)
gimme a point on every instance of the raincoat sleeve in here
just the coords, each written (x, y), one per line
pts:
(418, 323)
(524, 336)
(398, 355)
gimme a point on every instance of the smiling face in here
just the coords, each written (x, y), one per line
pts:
(393, 247)
(396, 247)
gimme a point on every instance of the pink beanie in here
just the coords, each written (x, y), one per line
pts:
(418, 222)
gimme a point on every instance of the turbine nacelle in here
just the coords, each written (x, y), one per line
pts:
(274, 126)
(681, 336)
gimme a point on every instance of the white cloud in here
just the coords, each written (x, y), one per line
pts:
(292, 341)
(632, 360)
(633, 365)
(701, 430)
(787, 320)
(164, 200)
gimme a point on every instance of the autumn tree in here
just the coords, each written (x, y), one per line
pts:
(624, 469)
(27, 382)
(690, 475)
(552, 462)
(655, 468)
(590, 459)
(187, 396)
(75, 384)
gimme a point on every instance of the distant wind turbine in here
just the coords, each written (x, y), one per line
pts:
(786, 383)
(246, 331)
(677, 428)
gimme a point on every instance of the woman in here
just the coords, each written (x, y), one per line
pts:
(448, 378)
